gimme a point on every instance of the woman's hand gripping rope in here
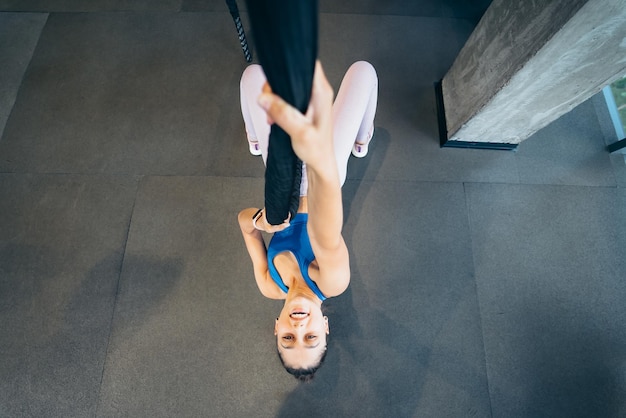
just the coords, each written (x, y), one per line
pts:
(311, 134)
(259, 221)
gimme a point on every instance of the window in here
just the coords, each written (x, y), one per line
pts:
(615, 96)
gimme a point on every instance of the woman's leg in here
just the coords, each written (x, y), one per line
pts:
(254, 117)
(353, 112)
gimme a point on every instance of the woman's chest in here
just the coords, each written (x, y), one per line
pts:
(290, 268)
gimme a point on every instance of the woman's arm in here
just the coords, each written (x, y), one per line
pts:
(258, 253)
(312, 140)
(324, 226)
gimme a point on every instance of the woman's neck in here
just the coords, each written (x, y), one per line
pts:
(298, 287)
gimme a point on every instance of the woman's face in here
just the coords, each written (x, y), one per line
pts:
(301, 333)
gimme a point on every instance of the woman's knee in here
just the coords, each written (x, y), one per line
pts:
(252, 76)
(364, 71)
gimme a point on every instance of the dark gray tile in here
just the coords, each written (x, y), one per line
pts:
(19, 33)
(405, 337)
(191, 326)
(122, 94)
(61, 245)
(409, 58)
(130, 93)
(550, 272)
(89, 6)
(569, 151)
(157, 93)
(192, 335)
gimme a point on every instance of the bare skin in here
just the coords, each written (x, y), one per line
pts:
(301, 328)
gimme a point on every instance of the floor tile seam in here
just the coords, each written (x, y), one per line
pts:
(120, 11)
(208, 176)
(466, 182)
(580, 186)
(69, 12)
(137, 176)
(24, 73)
(471, 182)
(478, 299)
(70, 174)
(365, 180)
(404, 181)
(117, 292)
(243, 12)
(41, 12)
(386, 181)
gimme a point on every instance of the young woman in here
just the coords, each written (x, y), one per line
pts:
(307, 261)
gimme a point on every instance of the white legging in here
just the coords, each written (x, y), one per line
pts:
(353, 112)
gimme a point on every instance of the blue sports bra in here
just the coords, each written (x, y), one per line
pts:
(295, 239)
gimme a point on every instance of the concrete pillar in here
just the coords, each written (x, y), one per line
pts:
(526, 64)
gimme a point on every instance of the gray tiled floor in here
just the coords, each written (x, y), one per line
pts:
(485, 283)
(62, 244)
(18, 36)
(551, 290)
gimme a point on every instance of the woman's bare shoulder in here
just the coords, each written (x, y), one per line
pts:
(331, 270)
(268, 287)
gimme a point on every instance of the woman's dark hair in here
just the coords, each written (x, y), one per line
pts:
(305, 374)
